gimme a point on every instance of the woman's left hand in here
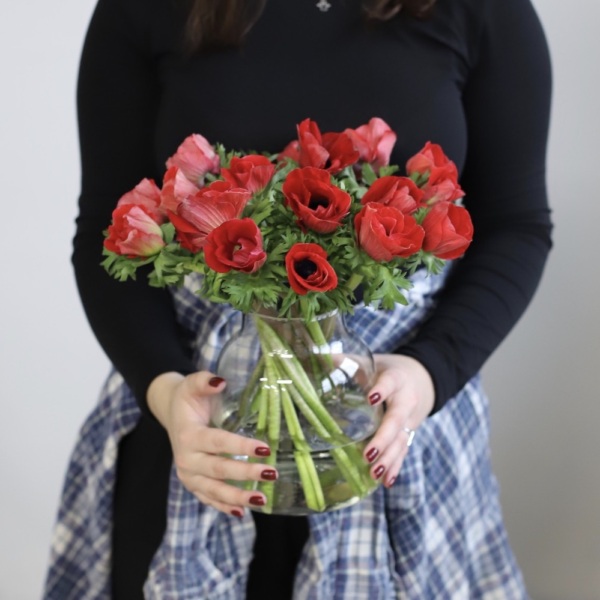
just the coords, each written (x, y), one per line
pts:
(406, 387)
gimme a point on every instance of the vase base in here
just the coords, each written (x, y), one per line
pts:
(299, 511)
(343, 479)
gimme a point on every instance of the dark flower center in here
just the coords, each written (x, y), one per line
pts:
(317, 201)
(305, 268)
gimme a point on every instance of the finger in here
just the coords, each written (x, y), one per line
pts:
(201, 391)
(208, 440)
(204, 383)
(220, 467)
(219, 441)
(394, 419)
(216, 492)
(391, 473)
(389, 464)
(387, 383)
(234, 511)
(389, 446)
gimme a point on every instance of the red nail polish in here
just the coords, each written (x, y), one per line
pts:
(379, 471)
(257, 501)
(237, 513)
(269, 474)
(215, 381)
(374, 398)
(372, 454)
(391, 482)
(263, 451)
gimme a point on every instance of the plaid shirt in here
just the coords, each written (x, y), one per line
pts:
(436, 534)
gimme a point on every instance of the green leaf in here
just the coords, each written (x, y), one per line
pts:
(168, 230)
(368, 174)
(387, 170)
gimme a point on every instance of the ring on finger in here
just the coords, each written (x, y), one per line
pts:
(411, 435)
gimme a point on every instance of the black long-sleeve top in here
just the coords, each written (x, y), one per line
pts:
(474, 77)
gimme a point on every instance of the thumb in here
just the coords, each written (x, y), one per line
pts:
(204, 383)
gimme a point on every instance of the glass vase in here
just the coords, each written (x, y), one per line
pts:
(300, 386)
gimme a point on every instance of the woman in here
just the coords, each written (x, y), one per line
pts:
(471, 75)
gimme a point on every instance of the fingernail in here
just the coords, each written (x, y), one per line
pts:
(257, 501)
(237, 513)
(374, 398)
(269, 474)
(391, 482)
(372, 454)
(379, 471)
(263, 451)
(215, 381)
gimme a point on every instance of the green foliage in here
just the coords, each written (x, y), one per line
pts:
(368, 174)
(387, 170)
(122, 267)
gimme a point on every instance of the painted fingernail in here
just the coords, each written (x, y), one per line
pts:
(374, 398)
(215, 381)
(263, 451)
(269, 474)
(391, 482)
(237, 513)
(257, 501)
(379, 471)
(372, 454)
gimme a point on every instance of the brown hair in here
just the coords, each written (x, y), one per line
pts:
(222, 23)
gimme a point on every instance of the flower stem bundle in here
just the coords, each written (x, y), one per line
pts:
(283, 383)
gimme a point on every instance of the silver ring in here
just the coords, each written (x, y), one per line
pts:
(411, 435)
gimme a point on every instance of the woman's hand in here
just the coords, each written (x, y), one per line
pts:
(406, 387)
(182, 405)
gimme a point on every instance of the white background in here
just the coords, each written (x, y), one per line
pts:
(544, 380)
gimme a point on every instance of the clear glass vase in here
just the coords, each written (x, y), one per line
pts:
(301, 387)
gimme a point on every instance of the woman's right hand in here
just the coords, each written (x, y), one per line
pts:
(182, 405)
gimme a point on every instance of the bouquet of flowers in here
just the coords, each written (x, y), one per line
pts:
(296, 235)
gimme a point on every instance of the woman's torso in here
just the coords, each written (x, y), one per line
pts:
(299, 62)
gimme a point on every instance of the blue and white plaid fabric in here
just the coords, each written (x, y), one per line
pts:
(437, 534)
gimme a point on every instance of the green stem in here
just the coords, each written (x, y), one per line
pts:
(303, 406)
(349, 470)
(263, 409)
(354, 281)
(260, 404)
(316, 333)
(346, 458)
(293, 369)
(292, 422)
(273, 423)
(251, 388)
(311, 483)
(324, 367)
(280, 362)
(274, 418)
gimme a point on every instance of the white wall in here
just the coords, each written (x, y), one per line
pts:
(50, 366)
(544, 380)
